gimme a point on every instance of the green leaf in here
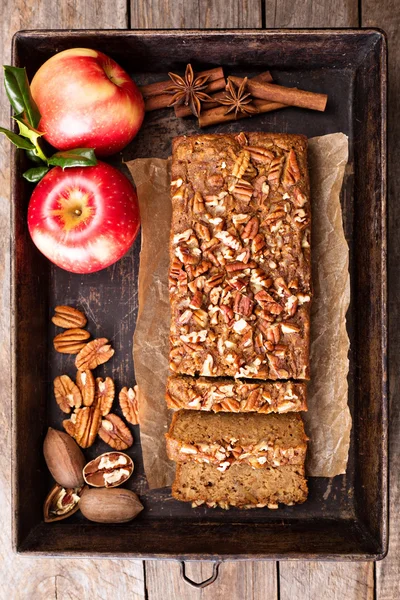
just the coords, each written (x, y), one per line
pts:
(27, 130)
(19, 94)
(78, 157)
(34, 157)
(17, 140)
(35, 174)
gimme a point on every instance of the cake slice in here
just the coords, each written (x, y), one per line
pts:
(228, 395)
(224, 439)
(240, 486)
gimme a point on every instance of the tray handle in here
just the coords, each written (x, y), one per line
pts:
(206, 582)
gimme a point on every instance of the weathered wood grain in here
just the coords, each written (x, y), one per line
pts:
(307, 580)
(386, 15)
(309, 13)
(42, 578)
(188, 14)
(236, 581)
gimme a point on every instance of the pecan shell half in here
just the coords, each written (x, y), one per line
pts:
(86, 384)
(71, 341)
(67, 394)
(115, 433)
(128, 402)
(95, 353)
(68, 317)
(87, 425)
(61, 503)
(104, 396)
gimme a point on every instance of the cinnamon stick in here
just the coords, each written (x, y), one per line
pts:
(215, 116)
(285, 95)
(184, 111)
(155, 89)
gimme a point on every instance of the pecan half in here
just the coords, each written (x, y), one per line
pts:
(86, 384)
(241, 164)
(87, 425)
(67, 393)
(95, 353)
(275, 170)
(69, 425)
(292, 172)
(128, 402)
(115, 433)
(71, 341)
(68, 317)
(104, 396)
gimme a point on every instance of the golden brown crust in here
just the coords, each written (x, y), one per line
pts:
(240, 275)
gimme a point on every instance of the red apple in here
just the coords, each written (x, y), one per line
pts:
(87, 100)
(84, 218)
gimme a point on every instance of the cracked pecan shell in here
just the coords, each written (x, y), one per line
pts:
(68, 317)
(87, 425)
(104, 396)
(71, 341)
(128, 402)
(95, 353)
(67, 393)
(86, 384)
(115, 433)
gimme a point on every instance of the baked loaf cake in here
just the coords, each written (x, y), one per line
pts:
(224, 439)
(233, 395)
(240, 276)
(240, 486)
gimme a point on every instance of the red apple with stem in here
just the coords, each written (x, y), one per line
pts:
(87, 100)
(84, 219)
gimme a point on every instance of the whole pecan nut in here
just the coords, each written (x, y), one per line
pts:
(86, 384)
(115, 433)
(68, 317)
(105, 392)
(87, 425)
(67, 394)
(95, 353)
(71, 341)
(128, 402)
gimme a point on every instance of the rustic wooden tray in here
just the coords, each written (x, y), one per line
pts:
(344, 518)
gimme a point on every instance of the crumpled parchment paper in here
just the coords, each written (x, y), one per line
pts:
(328, 421)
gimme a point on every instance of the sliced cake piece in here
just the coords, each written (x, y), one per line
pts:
(240, 486)
(245, 438)
(227, 395)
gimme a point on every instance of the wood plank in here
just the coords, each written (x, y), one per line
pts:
(297, 579)
(187, 14)
(308, 13)
(25, 577)
(236, 581)
(329, 580)
(386, 15)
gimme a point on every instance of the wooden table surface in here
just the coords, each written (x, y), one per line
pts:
(62, 579)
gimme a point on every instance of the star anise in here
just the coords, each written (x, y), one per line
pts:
(237, 99)
(188, 90)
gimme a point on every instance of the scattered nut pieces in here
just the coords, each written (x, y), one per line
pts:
(115, 433)
(95, 353)
(71, 341)
(108, 470)
(68, 317)
(67, 394)
(128, 402)
(86, 384)
(87, 425)
(61, 503)
(69, 425)
(104, 394)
